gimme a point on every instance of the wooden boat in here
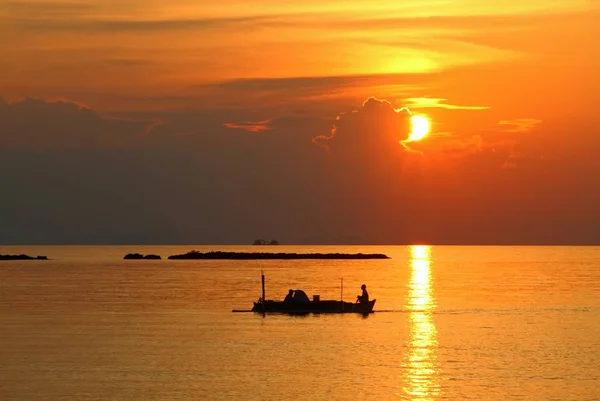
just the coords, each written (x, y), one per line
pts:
(301, 304)
(324, 306)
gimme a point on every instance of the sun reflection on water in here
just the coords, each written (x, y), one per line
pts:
(420, 378)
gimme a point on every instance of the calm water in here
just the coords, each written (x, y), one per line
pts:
(457, 323)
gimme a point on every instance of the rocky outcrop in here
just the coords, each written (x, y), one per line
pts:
(265, 255)
(140, 256)
(22, 257)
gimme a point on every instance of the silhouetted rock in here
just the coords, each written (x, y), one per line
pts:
(134, 256)
(22, 257)
(265, 255)
(140, 256)
(152, 257)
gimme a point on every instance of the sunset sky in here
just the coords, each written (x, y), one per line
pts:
(187, 121)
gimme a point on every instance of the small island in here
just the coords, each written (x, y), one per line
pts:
(140, 256)
(266, 255)
(22, 257)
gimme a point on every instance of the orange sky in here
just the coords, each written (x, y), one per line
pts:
(506, 84)
(52, 47)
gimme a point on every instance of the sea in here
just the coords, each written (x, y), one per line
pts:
(450, 323)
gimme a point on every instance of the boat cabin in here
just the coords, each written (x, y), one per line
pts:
(300, 297)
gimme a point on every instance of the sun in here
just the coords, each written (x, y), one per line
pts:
(420, 128)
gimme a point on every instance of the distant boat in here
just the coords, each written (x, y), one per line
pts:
(265, 242)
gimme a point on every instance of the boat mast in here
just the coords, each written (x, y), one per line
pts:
(262, 279)
(342, 295)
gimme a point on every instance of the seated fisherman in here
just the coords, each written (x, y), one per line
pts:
(364, 298)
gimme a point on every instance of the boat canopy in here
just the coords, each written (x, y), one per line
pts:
(300, 296)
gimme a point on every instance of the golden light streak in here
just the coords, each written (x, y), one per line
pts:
(421, 377)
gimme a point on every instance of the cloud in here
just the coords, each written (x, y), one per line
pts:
(313, 17)
(319, 82)
(378, 131)
(520, 125)
(258, 126)
(461, 22)
(53, 9)
(323, 94)
(220, 186)
(425, 102)
(460, 147)
(521, 161)
(77, 17)
(151, 126)
(375, 127)
(83, 16)
(41, 124)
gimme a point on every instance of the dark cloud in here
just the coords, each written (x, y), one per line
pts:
(38, 124)
(306, 97)
(63, 20)
(322, 91)
(380, 131)
(520, 125)
(375, 128)
(186, 178)
(318, 83)
(249, 126)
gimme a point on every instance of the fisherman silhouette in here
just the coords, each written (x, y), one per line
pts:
(364, 298)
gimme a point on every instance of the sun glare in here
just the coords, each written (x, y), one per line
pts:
(420, 128)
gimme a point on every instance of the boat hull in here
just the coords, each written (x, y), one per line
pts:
(313, 307)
